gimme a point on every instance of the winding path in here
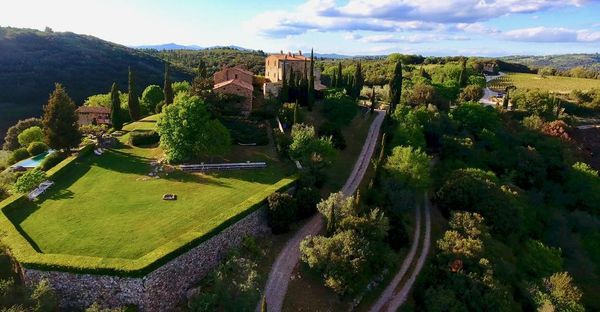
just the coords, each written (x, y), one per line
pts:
(396, 293)
(487, 92)
(289, 256)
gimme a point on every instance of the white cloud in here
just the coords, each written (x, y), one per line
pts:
(417, 38)
(551, 34)
(395, 15)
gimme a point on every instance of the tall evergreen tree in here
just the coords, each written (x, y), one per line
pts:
(283, 96)
(292, 93)
(60, 120)
(373, 99)
(358, 80)
(340, 76)
(350, 85)
(296, 117)
(396, 86)
(167, 87)
(133, 101)
(311, 81)
(462, 78)
(202, 69)
(115, 108)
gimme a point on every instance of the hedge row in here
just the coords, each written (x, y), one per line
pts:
(143, 137)
(25, 254)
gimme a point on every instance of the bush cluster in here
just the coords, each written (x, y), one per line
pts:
(143, 137)
(52, 160)
(36, 148)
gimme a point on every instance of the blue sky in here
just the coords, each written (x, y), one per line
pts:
(357, 27)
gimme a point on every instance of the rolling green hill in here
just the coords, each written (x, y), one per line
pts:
(560, 62)
(31, 61)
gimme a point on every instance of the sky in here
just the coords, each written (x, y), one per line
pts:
(350, 27)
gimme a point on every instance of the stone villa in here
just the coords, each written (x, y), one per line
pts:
(274, 65)
(236, 81)
(88, 115)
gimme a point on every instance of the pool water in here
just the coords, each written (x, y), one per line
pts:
(34, 161)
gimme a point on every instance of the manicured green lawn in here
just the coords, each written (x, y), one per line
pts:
(108, 206)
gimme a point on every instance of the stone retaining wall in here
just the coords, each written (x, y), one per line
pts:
(160, 290)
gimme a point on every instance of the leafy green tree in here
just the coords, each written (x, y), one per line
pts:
(474, 117)
(167, 87)
(557, 293)
(307, 199)
(462, 78)
(11, 140)
(151, 96)
(308, 148)
(187, 130)
(281, 212)
(340, 77)
(18, 155)
(336, 207)
(181, 86)
(537, 102)
(471, 93)
(464, 239)
(30, 135)
(36, 148)
(396, 86)
(359, 80)
(236, 284)
(339, 108)
(115, 111)
(407, 176)
(421, 94)
(133, 101)
(60, 120)
(539, 260)
(583, 184)
(29, 180)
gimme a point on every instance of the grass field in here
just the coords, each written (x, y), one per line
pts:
(554, 84)
(107, 206)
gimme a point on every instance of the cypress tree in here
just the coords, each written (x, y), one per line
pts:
(283, 96)
(296, 113)
(115, 109)
(358, 81)
(350, 85)
(304, 86)
(167, 87)
(60, 120)
(340, 80)
(396, 87)
(463, 72)
(202, 69)
(292, 87)
(311, 82)
(133, 101)
(263, 305)
(373, 99)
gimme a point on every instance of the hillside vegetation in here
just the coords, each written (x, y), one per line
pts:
(32, 61)
(561, 62)
(554, 84)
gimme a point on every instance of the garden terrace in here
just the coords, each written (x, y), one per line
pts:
(105, 214)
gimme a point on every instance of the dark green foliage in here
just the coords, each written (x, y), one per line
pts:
(32, 61)
(29, 180)
(284, 92)
(11, 141)
(311, 82)
(246, 131)
(358, 81)
(340, 77)
(18, 155)
(475, 190)
(115, 108)
(167, 87)
(331, 129)
(339, 108)
(307, 199)
(462, 78)
(60, 120)
(30, 135)
(396, 86)
(36, 148)
(151, 96)
(133, 101)
(52, 160)
(471, 93)
(281, 212)
(583, 184)
(539, 260)
(143, 137)
(474, 117)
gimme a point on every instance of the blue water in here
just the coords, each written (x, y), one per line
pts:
(33, 161)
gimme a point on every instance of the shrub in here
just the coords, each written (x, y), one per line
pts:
(30, 180)
(246, 131)
(52, 160)
(558, 129)
(36, 148)
(30, 135)
(19, 154)
(331, 129)
(281, 212)
(533, 122)
(307, 199)
(339, 108)
(143, 137)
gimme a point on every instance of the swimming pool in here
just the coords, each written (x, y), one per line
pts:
(34, 161)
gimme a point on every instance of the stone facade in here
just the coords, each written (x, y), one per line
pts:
(233, 73)
(161, 290)
(87, 115)
(292, 62)
(236, 81)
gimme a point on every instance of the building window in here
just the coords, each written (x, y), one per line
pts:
(235, 76)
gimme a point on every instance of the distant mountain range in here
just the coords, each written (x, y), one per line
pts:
(175, 46)
(31, 61)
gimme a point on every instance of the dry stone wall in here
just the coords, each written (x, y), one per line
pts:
(161, 290)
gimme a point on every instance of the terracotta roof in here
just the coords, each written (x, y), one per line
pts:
(236, 82)
(93, 109)
(293, 57)
(243, 70)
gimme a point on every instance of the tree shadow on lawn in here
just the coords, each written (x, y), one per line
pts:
(17, 215)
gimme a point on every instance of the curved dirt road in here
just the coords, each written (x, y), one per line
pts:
(487, 92)
(397, 291)
(289, 256)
